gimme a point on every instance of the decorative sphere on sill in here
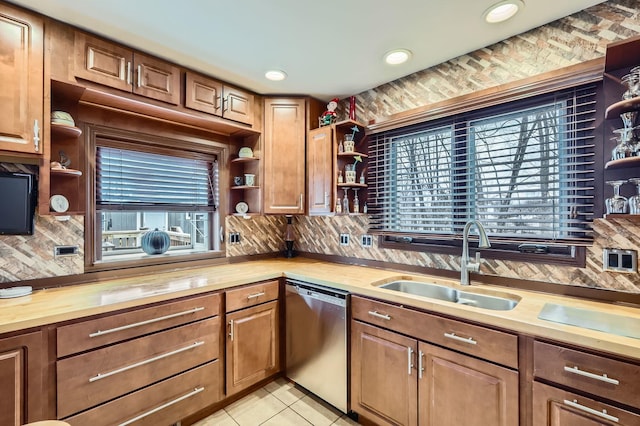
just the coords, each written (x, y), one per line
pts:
(155, 242)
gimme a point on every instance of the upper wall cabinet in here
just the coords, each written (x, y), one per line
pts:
(116, 66)
(213, 97)
(21, 81)
(284, 155)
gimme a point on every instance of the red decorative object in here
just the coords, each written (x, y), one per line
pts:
(352, 108)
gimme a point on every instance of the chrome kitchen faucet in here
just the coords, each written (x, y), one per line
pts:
(466, 265)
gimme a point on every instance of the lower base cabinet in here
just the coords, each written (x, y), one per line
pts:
(253, 343)
(164, 403)
(398, 380)
(21, 371)
(556, 407)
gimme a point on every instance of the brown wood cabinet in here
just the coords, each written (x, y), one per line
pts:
(214, 97)
(253, 335)
(383, 378)
(284, 155)
(21, 81)
(158, 362)
(22, 378)
(556, 407)
(119, 67)
(320, 180)
(435, 386)
(602, 387)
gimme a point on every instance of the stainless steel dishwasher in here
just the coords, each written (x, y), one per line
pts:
(316, 340)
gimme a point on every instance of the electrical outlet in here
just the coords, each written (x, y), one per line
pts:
(619, 260)
(59, 251)
(344, 239)
(366, 241)
(234, 238)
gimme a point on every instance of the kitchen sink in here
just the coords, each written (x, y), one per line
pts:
(448, 294)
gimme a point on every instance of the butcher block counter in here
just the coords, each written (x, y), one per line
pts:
(49, 306)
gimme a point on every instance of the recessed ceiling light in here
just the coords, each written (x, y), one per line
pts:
(275, 75)
(502, 11)
(397, 56)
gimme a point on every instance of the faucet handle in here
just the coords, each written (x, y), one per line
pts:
(478, 258)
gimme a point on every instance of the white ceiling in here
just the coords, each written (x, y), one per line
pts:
(328, 48)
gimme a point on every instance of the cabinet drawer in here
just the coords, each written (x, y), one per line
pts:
(251, 295)
(98, 332)
(553, 406)
(89, 379)
(595, 374)
(166, 402)
(478, 341)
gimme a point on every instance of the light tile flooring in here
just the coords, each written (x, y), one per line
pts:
(279, 403)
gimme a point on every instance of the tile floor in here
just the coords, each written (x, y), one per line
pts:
(279, 403)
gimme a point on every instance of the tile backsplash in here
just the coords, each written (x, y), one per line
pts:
(321, 235)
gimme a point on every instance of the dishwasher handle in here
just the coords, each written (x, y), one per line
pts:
(316, 293)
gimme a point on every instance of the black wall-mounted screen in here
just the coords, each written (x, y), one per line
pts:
(17, 203)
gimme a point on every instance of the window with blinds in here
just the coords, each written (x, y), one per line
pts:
(525, 170)
(127, 179)
(138, 191)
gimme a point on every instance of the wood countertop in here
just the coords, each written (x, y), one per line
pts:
(50, 306)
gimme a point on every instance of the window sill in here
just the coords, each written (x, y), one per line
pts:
(575, 256)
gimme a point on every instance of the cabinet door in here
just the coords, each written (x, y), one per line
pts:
(456, 389)
(103, 62)
(383, 377)
(284, 156)
(252, 346)
(556, 407)
(21, 81)
(237, 105)
(156, 79)
(320, 170)
(203, 94)
(21, 379)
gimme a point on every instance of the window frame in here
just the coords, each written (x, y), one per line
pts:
(567, 78)
(121, 138)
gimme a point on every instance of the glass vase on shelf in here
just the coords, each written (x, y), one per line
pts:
(345, 202)
(616, 204)
(350, 173)
(634, 202)
(356, 201)
(625, 143)
(632, 81)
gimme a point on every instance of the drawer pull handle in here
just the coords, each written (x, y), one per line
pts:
(100, 376)
(150, 321)
(603, 414)
(254, 295)
(379, 315)
(420, 365)
(163, 406)
(468, 340)
(603, 378)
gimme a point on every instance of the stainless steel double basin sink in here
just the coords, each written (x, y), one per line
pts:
(449, 294)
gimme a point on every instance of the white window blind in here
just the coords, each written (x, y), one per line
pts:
(128, 179)
(526, 172)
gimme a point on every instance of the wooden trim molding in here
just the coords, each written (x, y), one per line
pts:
(585, 72)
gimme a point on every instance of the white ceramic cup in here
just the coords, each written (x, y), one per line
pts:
(249, 179)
